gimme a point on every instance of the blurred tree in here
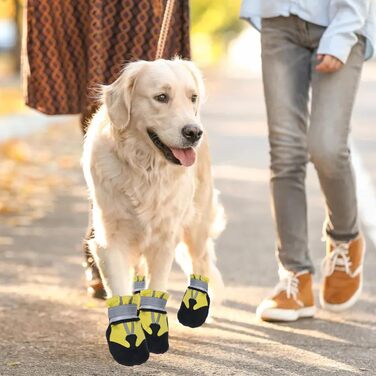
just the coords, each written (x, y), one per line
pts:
(214, 24)
(12, 10)
(18, 10)
(6, 9)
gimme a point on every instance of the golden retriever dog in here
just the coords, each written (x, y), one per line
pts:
(147, 166)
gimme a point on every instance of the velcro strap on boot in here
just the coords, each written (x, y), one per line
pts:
(122, 312)
(153, 303)
(199, 284)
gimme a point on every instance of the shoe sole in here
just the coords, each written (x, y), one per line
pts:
(278, 314)
(349, 303)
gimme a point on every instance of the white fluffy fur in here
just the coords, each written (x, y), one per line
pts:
(144, 205)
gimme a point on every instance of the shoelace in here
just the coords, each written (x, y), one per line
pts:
(337, 259)
(289, 283)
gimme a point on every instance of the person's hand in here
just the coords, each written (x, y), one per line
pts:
(328, 64)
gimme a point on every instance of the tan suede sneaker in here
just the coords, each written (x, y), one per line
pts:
(292, 298)
(342, 269)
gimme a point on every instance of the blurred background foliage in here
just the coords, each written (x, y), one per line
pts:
(214, 24)
(11, 99)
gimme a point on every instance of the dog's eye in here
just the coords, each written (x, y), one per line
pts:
(194, 98)
(163, 98)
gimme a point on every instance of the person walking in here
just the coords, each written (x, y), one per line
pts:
(74, 45)
(317, 46)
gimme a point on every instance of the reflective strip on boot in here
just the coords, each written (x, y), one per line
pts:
(139, 284)
(199, 284)
(122, 312)
(154, 303)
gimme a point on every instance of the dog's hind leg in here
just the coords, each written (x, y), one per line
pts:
(139, 280)
(194, 308)
(198, 236)
(200, 249)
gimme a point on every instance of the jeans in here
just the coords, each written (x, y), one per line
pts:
(302, 130)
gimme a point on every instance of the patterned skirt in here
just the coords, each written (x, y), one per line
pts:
(71, 46)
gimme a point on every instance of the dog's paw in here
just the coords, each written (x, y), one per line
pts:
(154, 321)
(194, 308)
(125, 337)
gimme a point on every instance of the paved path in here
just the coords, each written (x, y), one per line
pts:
(49, 327)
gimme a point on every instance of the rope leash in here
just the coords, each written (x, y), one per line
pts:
(164, 28)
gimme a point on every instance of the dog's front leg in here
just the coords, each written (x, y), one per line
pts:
(115, 268)
(125, 337)
(153, 313)
(159, 261)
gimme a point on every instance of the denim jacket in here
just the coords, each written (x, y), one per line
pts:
(344, 19)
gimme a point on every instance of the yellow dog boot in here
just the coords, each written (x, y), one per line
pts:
(125, 337)
(138, 284)
(154, 321)
(194, 308)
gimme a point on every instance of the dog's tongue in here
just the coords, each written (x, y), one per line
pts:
(186, 156)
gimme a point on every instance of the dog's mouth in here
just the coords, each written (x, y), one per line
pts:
(184, 156)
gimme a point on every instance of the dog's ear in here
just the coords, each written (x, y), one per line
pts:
(118, 96)
(197, 75)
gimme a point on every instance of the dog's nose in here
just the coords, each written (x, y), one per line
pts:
(192, 133)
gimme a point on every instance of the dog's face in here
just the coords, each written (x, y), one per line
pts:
(161, 100)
